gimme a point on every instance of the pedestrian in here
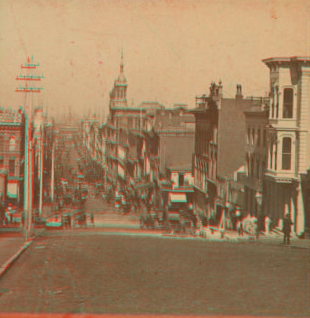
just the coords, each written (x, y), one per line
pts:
(256, 230)
(240, 228)
(267, 225)
(287, 229)
(69, 220)
(92, 218)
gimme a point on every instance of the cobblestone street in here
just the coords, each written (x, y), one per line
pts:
(97, 272)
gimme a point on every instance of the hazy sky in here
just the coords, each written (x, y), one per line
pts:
(172, 49)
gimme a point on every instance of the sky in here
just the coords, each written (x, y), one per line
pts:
(172, 49)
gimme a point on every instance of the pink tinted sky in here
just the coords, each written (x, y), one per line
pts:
(172, 49)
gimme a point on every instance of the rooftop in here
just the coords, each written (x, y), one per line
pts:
(287, 60)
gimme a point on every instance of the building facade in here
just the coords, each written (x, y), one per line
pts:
(219, 149)
(12, 148)
(288, 140)
(256, 119)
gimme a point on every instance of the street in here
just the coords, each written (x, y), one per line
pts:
(95, 271)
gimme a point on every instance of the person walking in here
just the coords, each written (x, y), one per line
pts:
(287, 229)
(92, 218)
(256, 230)
(240, 228)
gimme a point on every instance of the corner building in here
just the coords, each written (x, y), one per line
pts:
(288, 140)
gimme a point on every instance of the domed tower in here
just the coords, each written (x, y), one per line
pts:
(118, 95)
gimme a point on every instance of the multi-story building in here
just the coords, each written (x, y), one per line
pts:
(176, 130)
(12, 148)
(256, 119)
(129, 144)
(288, 140)
(136, 144)
(219, 146)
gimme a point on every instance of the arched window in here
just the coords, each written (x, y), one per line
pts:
(12, 143)
(286, 153)
(288, 101)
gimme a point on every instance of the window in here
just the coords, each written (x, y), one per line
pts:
(264, 137)
(249, 136)
(2, 144)
(275, 156)
(272, 106)
(277, 101)
(253, 136)
(215, 135)
(1, 162)
(137, 123)
(286, 153)
(263, 168)
(271, 155)
(257, 169)
(258, 137)
(252, 167)
(288, 97)
(181, 180)
(12, 167)
(129, 122)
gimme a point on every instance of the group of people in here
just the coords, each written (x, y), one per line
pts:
(127, 199)
(286, 227)
(80, 218)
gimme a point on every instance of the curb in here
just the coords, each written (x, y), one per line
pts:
(10, 262)
(249, 240)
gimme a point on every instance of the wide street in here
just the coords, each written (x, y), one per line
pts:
(96, 271)
(115, 267)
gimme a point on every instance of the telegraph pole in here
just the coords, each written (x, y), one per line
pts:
(52, 178)
(41, 173)
(29, 67)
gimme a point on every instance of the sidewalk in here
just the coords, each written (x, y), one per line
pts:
(11, 246)
(271, 239)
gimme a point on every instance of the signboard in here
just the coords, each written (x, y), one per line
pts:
(12, 190)
(10, 117)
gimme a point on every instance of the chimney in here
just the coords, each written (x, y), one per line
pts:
(220, 89)
(239, 91)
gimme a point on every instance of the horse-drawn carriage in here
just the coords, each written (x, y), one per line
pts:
(79, 218)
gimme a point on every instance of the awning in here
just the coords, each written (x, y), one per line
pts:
(177, 197)
(143, 185)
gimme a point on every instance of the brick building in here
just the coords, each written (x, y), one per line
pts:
(256, 119)
(219, 147)
(12, 147)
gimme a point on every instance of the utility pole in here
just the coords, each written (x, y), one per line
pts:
(52, 178)
(41, 172)
(29, 67)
